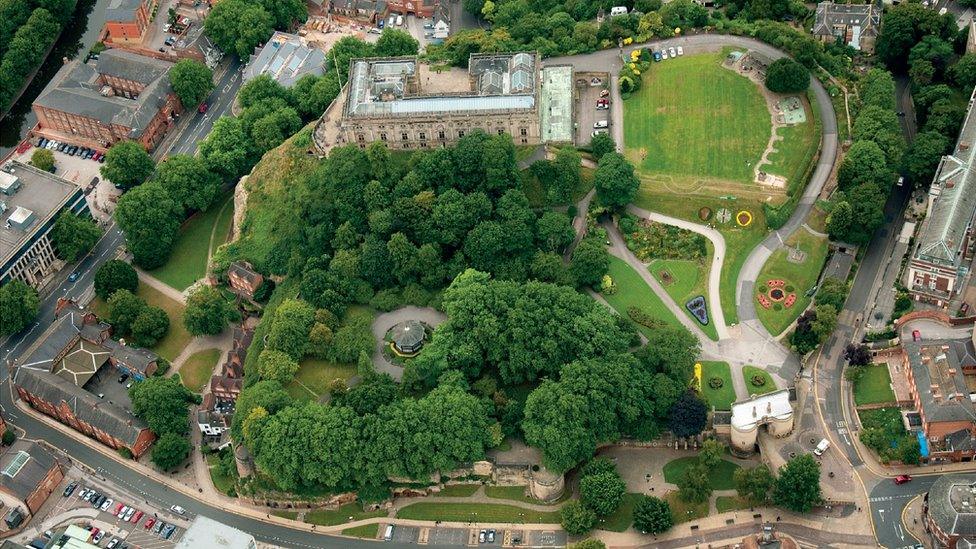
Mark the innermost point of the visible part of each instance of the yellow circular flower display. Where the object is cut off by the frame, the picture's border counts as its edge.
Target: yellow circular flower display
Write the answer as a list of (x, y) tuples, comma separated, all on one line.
[(743, 218)]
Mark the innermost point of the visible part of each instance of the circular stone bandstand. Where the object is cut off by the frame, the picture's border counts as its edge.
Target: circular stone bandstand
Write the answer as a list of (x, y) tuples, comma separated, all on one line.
[(407, 338)]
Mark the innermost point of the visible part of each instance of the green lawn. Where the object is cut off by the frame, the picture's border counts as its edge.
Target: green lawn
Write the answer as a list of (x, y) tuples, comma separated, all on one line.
[(689, 279), (720, 476), (739, 241), (519, 493), (794, 154), (694, 118), (222, 483), (682, 511), (723, 397), (198, 368), (632, 291), (314, 377), (768, 387), (176, 339), (366, 531), (874, 387), (188, 262), (621, 519), (345, 513), (290, 515), (457, 491), (799, 278), (730, 503), (478, 512)]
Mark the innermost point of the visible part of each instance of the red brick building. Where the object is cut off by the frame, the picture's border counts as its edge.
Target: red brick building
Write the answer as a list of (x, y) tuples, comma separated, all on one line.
[(121, 96), (949, 513), (420, 8), (29, 474), (126, 21), (243, 278)]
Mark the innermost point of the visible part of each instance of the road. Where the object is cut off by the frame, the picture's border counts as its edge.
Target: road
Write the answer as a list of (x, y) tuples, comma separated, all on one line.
[(888, 501)]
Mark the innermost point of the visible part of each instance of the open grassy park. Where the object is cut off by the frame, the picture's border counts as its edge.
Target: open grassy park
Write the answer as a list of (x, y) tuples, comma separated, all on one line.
[(719, 477), (684, 280), (476, 512), (799, 272), (874, 386), (722, 397), (188, 262), (176, 339), (315, 376), (632, 291), (197, 369)]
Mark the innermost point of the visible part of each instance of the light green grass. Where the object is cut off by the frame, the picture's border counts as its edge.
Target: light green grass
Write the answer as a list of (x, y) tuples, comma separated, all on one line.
[(723, 397), (690, 279), (518, 493), (874, 387), (197, 369), (290, 515), (795, 150), (477, 512), (188, 261), (739, 241), (719, 477), (801, 276), (366, 531), (621, 519), (345, 513), (695, 118), (768, 387), (314, 377), (724, 504), (222, 483), (632, 291), (457, 491), (682, 511), (176, 339)]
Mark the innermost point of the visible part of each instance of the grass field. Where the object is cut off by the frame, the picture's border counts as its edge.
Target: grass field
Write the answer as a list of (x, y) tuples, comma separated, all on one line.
[(768, 387), (874, 387), (694, 118), (800, 276), (221, 482), (345, 513), (197, 369), (730, 503), (689, 279), (366, 531), (723, 397), (682, 511), (457, 491), (176, 339), (518, 493), (188, 262), (476, 512), (719, 477), (632, 291), (290, 515), (314, 376), (621, 519)]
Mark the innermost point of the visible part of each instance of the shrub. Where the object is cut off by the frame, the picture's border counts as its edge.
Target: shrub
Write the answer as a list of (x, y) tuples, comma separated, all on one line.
[(789, 288), (705, 213), (715, 382), (777, 307), (9, 437), (758, 380), (642, 318)]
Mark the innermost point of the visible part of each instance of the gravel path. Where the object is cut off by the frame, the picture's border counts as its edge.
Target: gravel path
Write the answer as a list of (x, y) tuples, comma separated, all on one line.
[(385, 321)]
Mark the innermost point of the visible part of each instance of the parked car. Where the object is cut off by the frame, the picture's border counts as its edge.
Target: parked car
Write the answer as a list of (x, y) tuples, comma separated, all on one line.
[(482, 535), (98, 537), (159, 526), (118, 508), (137, 517), (598, 132), (97, 502), (121, 512), (70, 489), (902, 479), (149, 523), (167, 531), (123, 377), (203, 108), (916, 335), (601, 124), (657, 56), (491, 536), (89, 154), (106, 504), (681, 50), (664, 54), (101, 159), (177, 509), (128, 514), (112, 544), (673, 52), (94, 531)]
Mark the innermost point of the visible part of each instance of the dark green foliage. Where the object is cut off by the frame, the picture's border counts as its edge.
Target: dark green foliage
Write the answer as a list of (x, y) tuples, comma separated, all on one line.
[(238, 26), (115, 275), (591, 260), (124, 307), (602, 144), (832, 292), (614, 180), (162, 402), (18, 306), (787, 76), (43, 159), (127, 164), (290, 328), (904, 26), (150, 326), (25, 40), (755, 484), (688, 415), (602, 492), (74, 236), (923, 156), (192, 81), (798, 485), (694, 485), (395, 43), (652, 515), (207, 312), (577, 519), (170, 450), (149, 217), (188, 182)]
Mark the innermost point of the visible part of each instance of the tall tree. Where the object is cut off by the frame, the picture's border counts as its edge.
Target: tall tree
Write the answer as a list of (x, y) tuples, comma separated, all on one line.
[(238, 26), (127, 164), (188, 182), (652, 515), (694, 485), (115, 275), (923, 157), (192, 81), (162, 402), (124, 307), (74, 236), (290, 327), (227, 149), (18, 306), (396, 43), (43, 159), (277, 366), (754, 484), (171, 450), (787, 76), (591, 260), (798, 485), (601, 144), (150, 326), (615, 182), (602, 492), (864, 162), (688, 416), (150, 220), (207, 312), (576, 518)]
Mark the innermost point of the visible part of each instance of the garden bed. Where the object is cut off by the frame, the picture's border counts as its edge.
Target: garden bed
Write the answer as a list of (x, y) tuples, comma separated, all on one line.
[(758, 381), (720, 397)]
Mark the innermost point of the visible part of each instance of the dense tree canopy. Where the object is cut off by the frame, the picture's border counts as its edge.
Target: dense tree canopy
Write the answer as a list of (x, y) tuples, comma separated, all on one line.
[(188, 182), (207, 312), (798, 484), (192, 81), (395, 43), (923, 156), (43, 159), (755, 484), (170, 450), (74, 236), (115, 275), (652, 515), (162, 402), (149, 218), (787, 76), (150, 326), (688, 415), (18, 306), (864, 162), (124, 307), (127, 164), (614, 180), (238, 26)]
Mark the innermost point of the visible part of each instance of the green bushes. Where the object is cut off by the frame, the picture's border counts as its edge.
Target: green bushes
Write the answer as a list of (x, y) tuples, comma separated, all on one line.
[(28, 46)]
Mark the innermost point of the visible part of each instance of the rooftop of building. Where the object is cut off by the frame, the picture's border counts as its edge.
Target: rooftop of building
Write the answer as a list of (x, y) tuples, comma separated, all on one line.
[(392, 86), (828, 15), (245, 271), (76, 89), (23, 189), (73, 537), (749, 413), (286, 58), (23, 467), (943, 232), (952, 504), (939, 380), (205, 532), (557, 103), (122, 10)]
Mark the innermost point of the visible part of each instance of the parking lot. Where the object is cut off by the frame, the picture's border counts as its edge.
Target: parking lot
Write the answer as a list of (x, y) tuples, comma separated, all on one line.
[(420, 28), (105, 383), (472, 537), (589, 89)]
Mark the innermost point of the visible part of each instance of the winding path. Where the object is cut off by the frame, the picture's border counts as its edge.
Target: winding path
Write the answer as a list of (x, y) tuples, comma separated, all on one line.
[(385, 321)]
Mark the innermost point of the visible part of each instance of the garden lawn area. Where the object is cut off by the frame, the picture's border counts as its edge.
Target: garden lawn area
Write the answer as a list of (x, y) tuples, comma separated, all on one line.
[(874, 387), (682, 511), (632, 291), (689, 279), (796, 149), (176, 339), (767, 387), (222, 483), (739, 241), (730, 503), (197, 369), (692, 117), (518, 493), (477, 512), (366, 531), (882, 418), (330, 517), (723, 397), (719, 477), (188, 262), (621, 519), (290, 515), (799, 278), (314, 377), (457, 491)]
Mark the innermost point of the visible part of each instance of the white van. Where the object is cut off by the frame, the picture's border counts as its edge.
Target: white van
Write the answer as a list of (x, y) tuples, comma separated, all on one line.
[(618, 10), (388, 534), (392, 21), (601, 124), (399, 20), (822, 447)]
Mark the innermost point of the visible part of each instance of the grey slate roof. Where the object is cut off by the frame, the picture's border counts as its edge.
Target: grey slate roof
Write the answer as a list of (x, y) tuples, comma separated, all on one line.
[(75, 89), (931, 364), (286, 58), (830, 16), (943, 232), (946, 497), (961, 440), (85, 406), (135, 358), (31, 474), (122, 10)]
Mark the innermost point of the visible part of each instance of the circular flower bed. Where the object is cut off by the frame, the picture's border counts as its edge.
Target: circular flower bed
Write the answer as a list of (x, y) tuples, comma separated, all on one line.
[(777, 294), (715, 382), (790, 288), (758, 380), (743, 218), (705, 213)]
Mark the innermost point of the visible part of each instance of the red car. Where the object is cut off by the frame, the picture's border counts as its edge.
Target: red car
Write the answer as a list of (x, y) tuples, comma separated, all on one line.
[(902, 479), (149, 523), (202, 108), (916, 335), (94, 531), (118, 507), (137, 517)]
